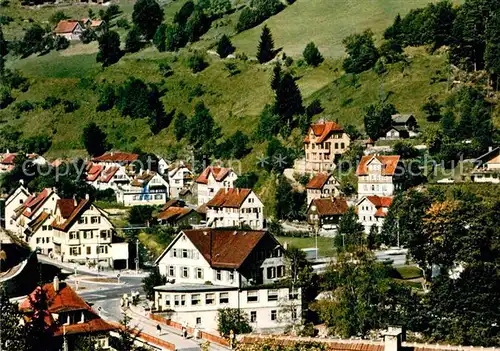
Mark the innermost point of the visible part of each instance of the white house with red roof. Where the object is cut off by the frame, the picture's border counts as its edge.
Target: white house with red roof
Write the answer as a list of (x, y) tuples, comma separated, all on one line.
[(237, 264), (39, 233), (322, 185), (487, 168), (180, 177), (116, 159), (148, 188), (211, 180), (69, 29), (69, 315), (13, 202), (83, 233), (372, 211), (7, 161), (104, 177), (235, 207), (378, 175), (324, 142)]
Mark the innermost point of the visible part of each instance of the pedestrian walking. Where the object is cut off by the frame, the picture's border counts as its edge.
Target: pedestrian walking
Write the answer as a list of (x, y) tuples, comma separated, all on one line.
[(158, 329)]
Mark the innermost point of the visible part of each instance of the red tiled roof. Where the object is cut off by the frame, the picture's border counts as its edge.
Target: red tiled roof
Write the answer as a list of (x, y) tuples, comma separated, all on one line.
[(37, 222), (8, 159), (107, 174), (116, 157), (330, 207), (94, 172), (318, 181), (225, 248), (380, 212), (70, 217), (91, 326), (96, 23), (232, 197), (66, 26), (172, 203), (380, 201), (33, 203), (143, 179), (174, 213), (323, 130), (390, 164), (219, 174)]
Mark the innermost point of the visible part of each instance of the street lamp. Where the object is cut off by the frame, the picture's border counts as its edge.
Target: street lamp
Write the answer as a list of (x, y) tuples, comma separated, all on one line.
[(137, 256), (316, 227)]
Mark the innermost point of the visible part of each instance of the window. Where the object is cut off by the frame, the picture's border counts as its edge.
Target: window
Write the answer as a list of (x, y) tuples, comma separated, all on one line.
[(224, 298), (171, 271), (272, 295), (294, 314), (184, 253), (174, 253), (102, 249), (199, 273), (82, 220), (198, 320), (281, 271), (185, 272), (177, 300), (46, 227), (89, 250), (38, 240), (218, 274), (104, 234), (271, 272), (293, 295), (252, 296), (230, 276), (253, 316), (195, 299), (73, 235), (342, 145), (87, 234), (75, 251), (95, 219), (209, 299), (274, 315), (166, 298), (183, 300)]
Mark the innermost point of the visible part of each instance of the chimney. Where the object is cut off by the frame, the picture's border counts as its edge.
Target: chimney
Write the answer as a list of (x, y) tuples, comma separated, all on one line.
[(56, 283), (74, 200), (87, 196), (490, 148), (21, 181), (392, 339)]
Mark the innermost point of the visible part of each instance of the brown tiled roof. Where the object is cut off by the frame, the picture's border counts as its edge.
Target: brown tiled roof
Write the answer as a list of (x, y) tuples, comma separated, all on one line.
[(232, 197), (380, 201), (331, 207), (219, 174), (37, 222), (94, 172), (70, 217), (33, 203), (66, 299), (116, 157), (174, 213), (66, 26), (173, 203), (142, 179), (225, 248), (318, 181), (323, 130), (107, 174), (390, 164)]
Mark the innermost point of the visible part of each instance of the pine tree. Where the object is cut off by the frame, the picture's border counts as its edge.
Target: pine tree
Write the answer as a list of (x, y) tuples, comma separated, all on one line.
[(109, 48), (160, 38), (288, 99), (94, 140), (147, 16), (265, 50), (224, 46), (180, 126), (133, 40), (312, 55), (276, 80)]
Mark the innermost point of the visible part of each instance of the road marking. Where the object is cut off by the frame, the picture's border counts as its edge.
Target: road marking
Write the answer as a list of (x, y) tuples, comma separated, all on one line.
[(92, 296)]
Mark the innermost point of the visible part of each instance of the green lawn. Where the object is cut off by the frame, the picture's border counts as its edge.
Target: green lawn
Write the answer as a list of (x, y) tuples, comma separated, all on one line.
[(325, 245), (326, 22), (409, 272)]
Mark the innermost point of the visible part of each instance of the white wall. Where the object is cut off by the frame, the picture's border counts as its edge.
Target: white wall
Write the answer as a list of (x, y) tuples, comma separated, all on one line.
[(366, 215), (13, 202)]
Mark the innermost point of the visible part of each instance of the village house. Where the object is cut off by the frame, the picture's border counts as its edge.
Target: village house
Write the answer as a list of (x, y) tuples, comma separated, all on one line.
[(324, 142), (69, 29), (244, 269), (148, 188), (7, 161), (378, 175), (211, 180), (82, 233), (95, 25), (69, 316), (487, 168), (325, 213), (14, 201), (235, 207), (402, 127), (104, 177), (322, 185), (39, 233), (372, 211), (175, 214), (180, 178), (31, 209), (117, 159)]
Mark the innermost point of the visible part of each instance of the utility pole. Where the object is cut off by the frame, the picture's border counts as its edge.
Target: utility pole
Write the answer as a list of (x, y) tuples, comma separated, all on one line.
[(137, 256)]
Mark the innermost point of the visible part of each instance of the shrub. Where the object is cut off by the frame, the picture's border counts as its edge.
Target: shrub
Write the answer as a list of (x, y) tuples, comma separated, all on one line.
[(312, 55), (123, 23), (49, 102), (196, 62), (24, 106), (70, 106), (224, 46), (5, 20), (165, 70), (61, 43), (87, 36), (57, 17), (5, 97)]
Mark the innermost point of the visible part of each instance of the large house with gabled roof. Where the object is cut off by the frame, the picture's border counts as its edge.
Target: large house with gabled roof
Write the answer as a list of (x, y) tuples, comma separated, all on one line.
[(14, 201), (210, 269), (372, 211), (322, 185), (211, 180), (379, 175), (235, 207)]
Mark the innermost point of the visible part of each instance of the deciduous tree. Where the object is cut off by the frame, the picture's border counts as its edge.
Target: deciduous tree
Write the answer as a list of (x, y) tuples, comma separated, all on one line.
[(147, 16)]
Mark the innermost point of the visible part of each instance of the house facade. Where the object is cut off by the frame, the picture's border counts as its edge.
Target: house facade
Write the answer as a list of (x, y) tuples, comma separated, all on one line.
[(69, 316), (15, 200), (69, 29), (402, 127), (326, 212), (39, 233), (322, 185), (211, 180), (324, 142), (84, 234), (148, 188), (235, 207), (176, 214), (378, 175), (236, 264), (372, 211), (487, 168), (180, 178)]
